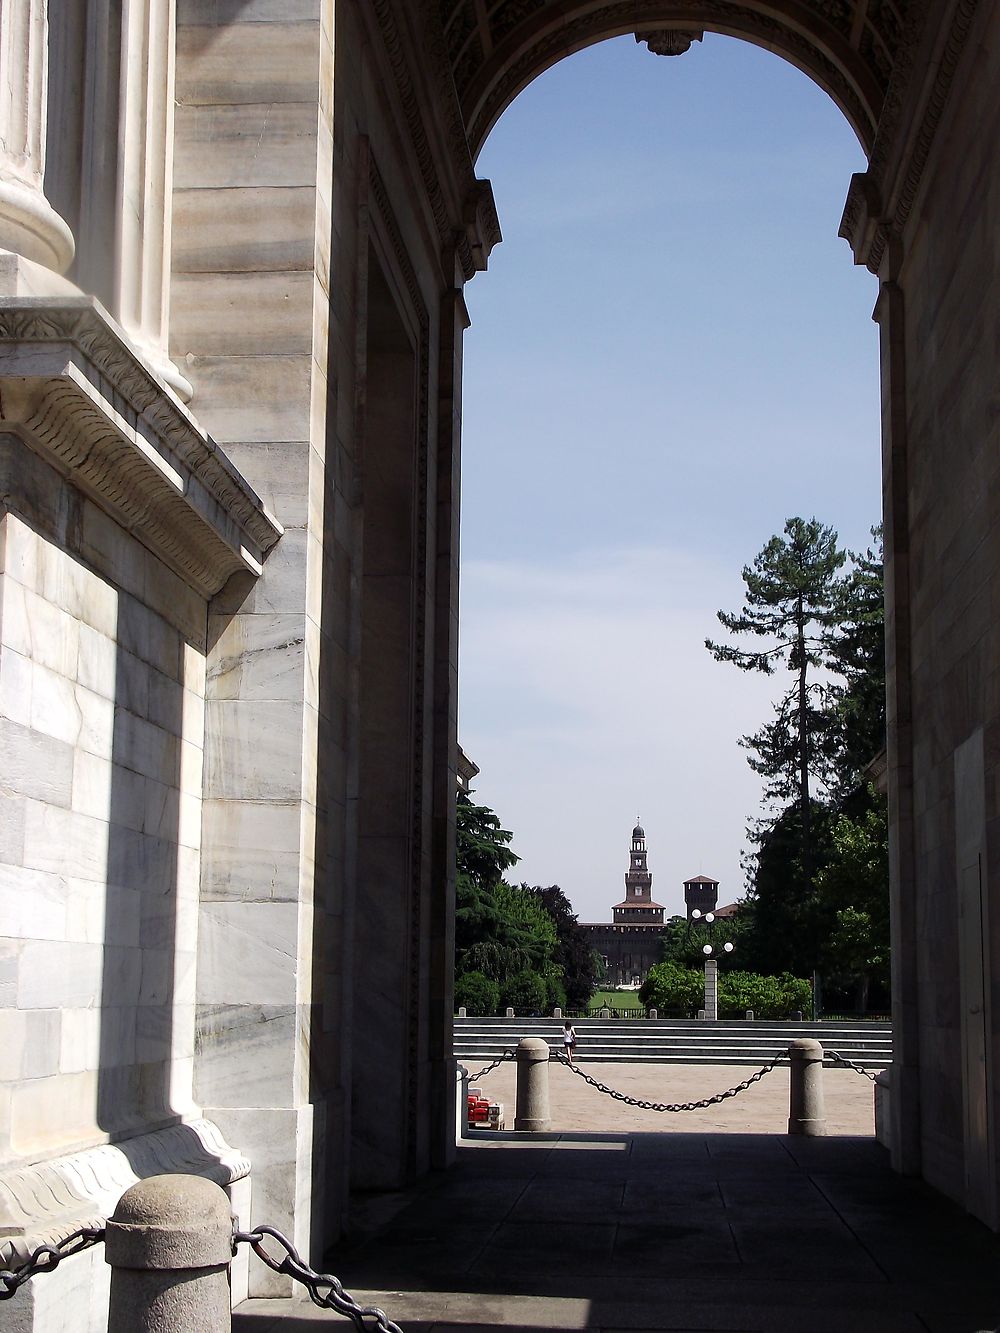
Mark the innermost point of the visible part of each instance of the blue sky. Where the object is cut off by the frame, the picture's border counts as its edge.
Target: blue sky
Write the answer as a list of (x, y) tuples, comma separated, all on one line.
[(671, 353)]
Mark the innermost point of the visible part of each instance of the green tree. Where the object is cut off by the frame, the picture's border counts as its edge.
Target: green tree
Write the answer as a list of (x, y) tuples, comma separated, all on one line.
[(672, 988), (478, 993), (682, 942), (857, 655), (854, 888), (525, 992), (501, 932), (483, 855), (573, 954), (791, 603), (786, 919), (768, 997)]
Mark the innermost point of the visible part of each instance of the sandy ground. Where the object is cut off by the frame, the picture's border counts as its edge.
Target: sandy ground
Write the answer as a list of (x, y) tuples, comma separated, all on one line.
[(762, 1109)]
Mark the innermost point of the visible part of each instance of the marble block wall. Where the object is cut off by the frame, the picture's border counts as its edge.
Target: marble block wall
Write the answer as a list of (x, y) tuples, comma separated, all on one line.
[(949, 280), (249, 318), (102, 720)]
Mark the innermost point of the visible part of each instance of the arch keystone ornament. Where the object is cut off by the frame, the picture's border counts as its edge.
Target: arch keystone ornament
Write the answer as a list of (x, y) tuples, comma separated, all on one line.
[(669, 41)]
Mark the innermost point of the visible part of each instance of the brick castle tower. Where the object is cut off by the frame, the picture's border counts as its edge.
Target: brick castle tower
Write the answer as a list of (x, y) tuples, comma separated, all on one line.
[(637, 908)]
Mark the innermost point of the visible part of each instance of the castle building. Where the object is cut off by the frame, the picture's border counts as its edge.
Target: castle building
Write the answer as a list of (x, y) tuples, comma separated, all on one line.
[(630, 943), (701, 894)]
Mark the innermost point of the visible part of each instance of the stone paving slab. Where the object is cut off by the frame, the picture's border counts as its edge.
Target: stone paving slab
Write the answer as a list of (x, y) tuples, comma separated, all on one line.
[(710, 1221)]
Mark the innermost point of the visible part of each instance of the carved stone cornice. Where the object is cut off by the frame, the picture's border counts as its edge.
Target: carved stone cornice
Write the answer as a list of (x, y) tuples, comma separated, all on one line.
[(482, 229), (74, 390), (45, 1202), (881, 199)]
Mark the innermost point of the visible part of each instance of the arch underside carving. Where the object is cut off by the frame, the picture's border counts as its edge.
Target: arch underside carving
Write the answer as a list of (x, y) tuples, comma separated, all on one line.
[(495, 48)]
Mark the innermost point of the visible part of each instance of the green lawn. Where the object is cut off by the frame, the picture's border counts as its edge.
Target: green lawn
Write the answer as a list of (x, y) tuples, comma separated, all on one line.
[(615, 999)]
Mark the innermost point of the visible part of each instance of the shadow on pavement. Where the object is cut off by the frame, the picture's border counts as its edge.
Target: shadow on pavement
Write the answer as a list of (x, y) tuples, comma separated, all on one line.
[(653, 1231)]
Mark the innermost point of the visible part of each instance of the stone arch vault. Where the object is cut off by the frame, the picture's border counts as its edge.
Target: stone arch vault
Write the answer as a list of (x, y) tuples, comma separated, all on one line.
[(233, 244)]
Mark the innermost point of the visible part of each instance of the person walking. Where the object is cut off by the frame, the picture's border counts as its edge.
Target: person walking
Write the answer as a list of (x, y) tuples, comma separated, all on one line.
[(569, 1040)]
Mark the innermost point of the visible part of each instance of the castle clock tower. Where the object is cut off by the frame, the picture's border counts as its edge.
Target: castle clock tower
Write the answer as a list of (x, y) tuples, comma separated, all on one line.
[(638, 907)]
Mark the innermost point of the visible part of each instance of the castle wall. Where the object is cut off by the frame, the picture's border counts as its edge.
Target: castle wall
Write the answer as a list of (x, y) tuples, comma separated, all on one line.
[(630, 950)]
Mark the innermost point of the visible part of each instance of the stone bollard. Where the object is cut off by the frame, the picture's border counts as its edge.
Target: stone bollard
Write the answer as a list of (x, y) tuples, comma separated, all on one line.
[(557, 1012), (532, 1104), (170, 1243), (605, 1012), (701, 1015), (806, 1113), (509, 1013), (462, 1109), (749, 1015), (653, 1013), (463, 1011)]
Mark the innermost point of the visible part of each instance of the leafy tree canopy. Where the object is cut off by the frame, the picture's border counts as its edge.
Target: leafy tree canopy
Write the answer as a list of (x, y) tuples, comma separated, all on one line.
[(573, 954), (818, 877), (857, 655)]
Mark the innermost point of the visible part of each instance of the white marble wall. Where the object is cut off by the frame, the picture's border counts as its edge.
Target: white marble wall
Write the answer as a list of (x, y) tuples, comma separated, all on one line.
[(249, 311), (101, 726)]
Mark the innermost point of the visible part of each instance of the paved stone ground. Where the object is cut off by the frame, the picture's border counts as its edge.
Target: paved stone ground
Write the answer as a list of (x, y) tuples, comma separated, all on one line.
[(722, 1222), (762, 1109)]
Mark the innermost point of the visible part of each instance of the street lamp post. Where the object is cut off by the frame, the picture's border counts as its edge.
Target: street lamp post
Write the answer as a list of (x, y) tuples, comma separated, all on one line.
[(711, 1010)]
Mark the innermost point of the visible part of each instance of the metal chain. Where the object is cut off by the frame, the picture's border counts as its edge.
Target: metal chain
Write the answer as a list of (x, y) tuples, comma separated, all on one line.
[(507, 1055), (671, 1106), (849, 1064), (324, 1289), (47, 1258)]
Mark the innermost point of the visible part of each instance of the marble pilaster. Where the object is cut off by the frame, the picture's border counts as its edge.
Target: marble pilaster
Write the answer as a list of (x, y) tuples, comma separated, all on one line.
[(145, 173), (29, 226)]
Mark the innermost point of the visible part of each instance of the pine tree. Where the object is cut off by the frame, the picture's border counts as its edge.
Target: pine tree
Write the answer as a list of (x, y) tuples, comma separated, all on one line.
[(857, 654), (792, 601)]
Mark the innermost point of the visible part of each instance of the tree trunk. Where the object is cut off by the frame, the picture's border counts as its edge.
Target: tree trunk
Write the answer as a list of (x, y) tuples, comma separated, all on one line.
[(804, 804)]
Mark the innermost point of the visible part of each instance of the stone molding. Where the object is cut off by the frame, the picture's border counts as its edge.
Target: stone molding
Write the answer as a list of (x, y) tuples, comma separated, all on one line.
[(880, 200), (43, 1203), (72, 388), (874, 77), (472, 234), (482, 229), (382, 205), (817, 45)]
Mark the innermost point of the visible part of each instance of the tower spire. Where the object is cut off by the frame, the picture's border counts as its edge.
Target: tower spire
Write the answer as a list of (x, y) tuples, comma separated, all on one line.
[(638, 907)]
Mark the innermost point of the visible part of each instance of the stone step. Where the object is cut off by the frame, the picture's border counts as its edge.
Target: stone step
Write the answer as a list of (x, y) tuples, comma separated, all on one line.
[(678, 1041)]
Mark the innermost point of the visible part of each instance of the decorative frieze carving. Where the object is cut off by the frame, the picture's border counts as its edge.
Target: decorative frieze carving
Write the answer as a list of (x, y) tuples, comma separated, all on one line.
[(880, 200), (74, 390)]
